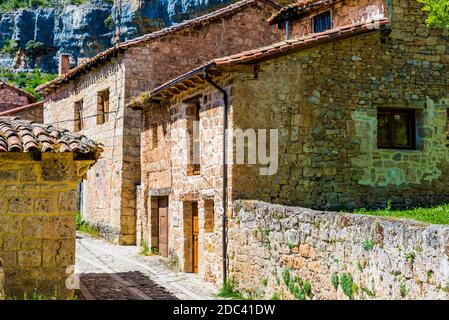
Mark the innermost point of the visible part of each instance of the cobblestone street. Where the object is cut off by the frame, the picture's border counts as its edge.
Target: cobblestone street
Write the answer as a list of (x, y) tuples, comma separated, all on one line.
[(109, 272)]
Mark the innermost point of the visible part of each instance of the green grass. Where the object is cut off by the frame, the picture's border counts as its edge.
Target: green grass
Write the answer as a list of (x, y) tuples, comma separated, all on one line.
[(435, 215), (145, 249), (27, 81), (84, 227), (228, 291)]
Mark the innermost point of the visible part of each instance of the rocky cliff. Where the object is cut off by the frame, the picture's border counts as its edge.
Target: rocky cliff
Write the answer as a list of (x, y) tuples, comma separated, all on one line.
[(34, 38)]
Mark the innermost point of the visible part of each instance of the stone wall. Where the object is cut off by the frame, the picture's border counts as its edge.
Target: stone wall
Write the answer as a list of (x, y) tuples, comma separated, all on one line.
[(10, 98), (37, 222), (324, 103), (102, 194), (385, 258), (110, 188), (343, 13)]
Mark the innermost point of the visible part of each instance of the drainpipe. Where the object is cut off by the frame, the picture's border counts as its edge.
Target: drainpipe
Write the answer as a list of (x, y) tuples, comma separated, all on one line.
[(390, 10), (225, 173), (287, 31)]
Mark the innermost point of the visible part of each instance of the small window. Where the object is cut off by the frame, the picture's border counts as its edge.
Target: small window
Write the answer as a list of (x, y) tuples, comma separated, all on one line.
[(193, 129), (209, 216), (396, 129), (322, 22), (78, 123), (103, 106)]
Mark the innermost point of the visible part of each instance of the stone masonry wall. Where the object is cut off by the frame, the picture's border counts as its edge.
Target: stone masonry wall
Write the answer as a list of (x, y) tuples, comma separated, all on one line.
[(171, 56), (342, 13), (37, 222), (103, 188), (10, 98), (379, 258), (110, 188), (324, 103)]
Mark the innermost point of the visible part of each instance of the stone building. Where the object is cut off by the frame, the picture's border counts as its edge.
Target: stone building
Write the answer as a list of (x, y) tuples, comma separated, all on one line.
[(41, 167), (12, 97), (359, 115), (305, 17), (91, 98), (33, 112)]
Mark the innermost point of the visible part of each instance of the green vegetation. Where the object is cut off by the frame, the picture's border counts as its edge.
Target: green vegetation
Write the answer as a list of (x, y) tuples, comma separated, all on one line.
[(8, 5), (109, 22), (334, 280), (265, 282), (369, 293), (435, 215), (228, 291), (276, 296), (9, 47), (34, 48), (347, 285), (410, 256), (297, 286), (27, 81), (368, 245), (403, 290), (438, 13), (146, 251), (82, 226)]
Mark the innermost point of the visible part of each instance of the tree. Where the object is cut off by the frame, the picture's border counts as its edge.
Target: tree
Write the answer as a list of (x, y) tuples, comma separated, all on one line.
[(438, 13)]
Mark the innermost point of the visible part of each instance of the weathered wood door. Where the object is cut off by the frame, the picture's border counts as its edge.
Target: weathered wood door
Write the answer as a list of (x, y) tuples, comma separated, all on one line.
[(195, 232), (163, 226)]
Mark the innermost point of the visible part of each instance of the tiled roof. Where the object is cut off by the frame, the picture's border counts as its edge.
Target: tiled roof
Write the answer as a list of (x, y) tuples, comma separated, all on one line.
[(26, 136), (20, 91), (104, 55), (21, 108), (196, 76), (297, 8)]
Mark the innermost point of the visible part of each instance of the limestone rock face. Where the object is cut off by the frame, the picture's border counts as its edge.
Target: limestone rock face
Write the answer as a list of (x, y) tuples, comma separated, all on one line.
[(84, 30)]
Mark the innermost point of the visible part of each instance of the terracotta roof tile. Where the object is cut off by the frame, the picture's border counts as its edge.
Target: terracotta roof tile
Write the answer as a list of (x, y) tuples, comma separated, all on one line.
[(18, 135), (264, 53), (231, 9)]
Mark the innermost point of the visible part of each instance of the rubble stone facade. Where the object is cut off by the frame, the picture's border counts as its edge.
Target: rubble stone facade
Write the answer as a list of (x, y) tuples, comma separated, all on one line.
[(110, 191), (344, 12), (324, 101)]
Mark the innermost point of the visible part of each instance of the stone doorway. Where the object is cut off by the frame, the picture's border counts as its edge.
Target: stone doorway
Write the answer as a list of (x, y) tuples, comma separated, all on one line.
[(163, 226), (191, 231)]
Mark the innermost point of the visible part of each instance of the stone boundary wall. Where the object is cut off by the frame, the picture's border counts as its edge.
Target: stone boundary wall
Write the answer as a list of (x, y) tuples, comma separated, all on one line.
[(372, 257)]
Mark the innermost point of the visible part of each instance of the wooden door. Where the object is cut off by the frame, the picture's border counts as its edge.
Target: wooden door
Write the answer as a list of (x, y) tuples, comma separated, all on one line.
[(195, 225), (163, 226)]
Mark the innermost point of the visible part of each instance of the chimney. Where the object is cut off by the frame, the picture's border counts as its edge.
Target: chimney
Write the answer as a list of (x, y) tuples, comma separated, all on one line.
[(64, 64)]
